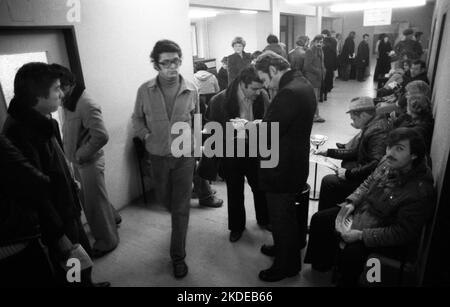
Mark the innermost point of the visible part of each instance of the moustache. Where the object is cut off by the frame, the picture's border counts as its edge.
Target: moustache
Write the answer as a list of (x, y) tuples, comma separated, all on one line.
[(391, 159)]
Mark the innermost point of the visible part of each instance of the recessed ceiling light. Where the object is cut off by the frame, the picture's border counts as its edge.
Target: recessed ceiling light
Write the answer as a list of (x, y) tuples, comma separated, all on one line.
[(248, 12)]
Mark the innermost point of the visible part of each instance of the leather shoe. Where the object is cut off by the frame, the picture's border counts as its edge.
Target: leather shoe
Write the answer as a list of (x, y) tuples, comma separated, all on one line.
[(212, 202), (273, 276), (180, 269), (235, 236), (268, 250)]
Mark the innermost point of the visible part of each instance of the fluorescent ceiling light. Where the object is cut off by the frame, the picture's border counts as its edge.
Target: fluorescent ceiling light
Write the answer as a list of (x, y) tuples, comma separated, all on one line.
[(310, 1), (248, 12), (199, 13), (361, 6)]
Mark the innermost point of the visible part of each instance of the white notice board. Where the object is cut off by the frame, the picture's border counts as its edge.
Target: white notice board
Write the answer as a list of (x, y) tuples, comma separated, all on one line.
[(377, 17)]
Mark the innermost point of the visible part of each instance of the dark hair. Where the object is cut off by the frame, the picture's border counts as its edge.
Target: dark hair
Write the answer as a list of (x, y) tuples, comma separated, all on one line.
[(422, 64), (66, 77), (164, 46), (224, 60), (200, 66), (366, 35), (406, 62), (270, 58), (416, 142), (302, 40), (272, 39), (326, 32), (33, 80), (248, 75), (338, 35), (352, 33), (317, 38), (418, 34)]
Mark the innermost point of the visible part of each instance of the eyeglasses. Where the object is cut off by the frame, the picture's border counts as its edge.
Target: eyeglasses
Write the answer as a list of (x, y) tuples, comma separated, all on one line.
[(168, 63)]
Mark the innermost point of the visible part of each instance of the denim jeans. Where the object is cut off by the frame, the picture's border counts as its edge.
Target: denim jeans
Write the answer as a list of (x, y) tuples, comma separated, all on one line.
[(173, 185)]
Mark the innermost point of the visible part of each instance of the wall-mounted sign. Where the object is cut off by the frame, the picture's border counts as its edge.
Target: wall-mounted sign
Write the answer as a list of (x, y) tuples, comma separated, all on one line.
[(377, 17)]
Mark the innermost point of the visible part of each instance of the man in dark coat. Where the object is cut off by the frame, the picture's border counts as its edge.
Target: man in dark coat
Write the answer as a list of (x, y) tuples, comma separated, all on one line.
[(347, 55), (274, 45), (292, 109), (297, 56), (23, 189), (330, 62), (365, 156), (362, 58), (244, 99), (31, 129), (384, 215)]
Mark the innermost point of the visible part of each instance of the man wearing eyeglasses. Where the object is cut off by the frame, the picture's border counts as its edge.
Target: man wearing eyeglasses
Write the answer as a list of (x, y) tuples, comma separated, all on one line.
[(162, 102)]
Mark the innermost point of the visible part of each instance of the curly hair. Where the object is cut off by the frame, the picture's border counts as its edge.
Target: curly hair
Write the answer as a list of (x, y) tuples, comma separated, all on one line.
[(238, 40), (419, 105), (162, 46)]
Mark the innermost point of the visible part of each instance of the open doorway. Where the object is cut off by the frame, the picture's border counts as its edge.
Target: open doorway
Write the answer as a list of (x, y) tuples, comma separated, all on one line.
[(23, 44)]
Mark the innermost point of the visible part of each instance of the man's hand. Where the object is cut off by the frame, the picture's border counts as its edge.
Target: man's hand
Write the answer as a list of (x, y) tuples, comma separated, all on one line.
[(352, 236), (344, 213), (321, 152), (239, 123), (340, 172)]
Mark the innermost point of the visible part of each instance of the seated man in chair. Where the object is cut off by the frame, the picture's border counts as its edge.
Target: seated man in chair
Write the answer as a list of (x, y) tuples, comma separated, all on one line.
[(385, 214), (361, 159)]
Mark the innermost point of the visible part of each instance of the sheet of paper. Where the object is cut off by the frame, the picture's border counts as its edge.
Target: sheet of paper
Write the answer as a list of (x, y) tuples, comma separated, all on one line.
[(323, 161)]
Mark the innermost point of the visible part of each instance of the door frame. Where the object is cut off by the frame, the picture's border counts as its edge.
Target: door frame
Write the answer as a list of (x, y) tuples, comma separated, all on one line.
[(70, 40)]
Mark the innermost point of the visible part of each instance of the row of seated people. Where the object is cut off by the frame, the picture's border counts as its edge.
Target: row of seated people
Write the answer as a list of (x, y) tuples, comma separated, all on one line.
[(382, 196)]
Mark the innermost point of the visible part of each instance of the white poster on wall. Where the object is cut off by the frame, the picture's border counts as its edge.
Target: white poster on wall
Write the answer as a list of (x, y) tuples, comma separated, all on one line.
[(377, 17)]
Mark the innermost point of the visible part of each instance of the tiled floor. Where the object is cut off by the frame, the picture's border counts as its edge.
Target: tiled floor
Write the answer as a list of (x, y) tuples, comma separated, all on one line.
[(142, 258)]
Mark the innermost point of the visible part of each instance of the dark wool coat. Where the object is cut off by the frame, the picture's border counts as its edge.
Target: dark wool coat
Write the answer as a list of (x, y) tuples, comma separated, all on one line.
[(293, 108)]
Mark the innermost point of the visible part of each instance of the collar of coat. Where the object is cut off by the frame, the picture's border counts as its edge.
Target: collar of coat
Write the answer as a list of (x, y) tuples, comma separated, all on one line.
[(36, 123), (184, 85), (289, 77), (397, 178)]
